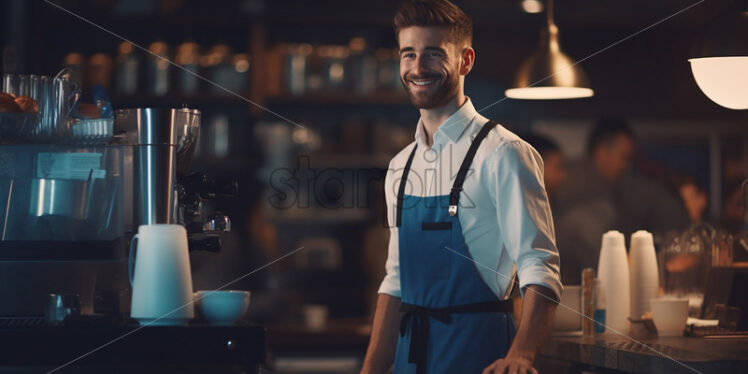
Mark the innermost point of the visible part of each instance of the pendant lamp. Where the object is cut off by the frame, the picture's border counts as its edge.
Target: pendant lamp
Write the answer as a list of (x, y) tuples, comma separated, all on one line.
[(548, 73), (720, 66)]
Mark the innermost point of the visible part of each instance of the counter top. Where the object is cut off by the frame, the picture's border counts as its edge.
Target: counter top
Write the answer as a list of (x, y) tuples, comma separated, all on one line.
[(660, 355), (352, 333), (131, 346)]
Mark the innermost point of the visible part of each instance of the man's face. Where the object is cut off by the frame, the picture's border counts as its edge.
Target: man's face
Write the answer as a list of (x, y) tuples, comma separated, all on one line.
[(554, 171), (429, 66), (615, 158)]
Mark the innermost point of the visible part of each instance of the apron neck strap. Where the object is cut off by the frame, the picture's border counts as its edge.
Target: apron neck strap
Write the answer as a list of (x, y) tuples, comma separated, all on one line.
[(454, 195), (401, 189)]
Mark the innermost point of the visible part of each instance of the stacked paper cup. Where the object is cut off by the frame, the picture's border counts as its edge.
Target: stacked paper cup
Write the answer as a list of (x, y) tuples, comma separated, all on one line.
[(643, 272), (613, 273)]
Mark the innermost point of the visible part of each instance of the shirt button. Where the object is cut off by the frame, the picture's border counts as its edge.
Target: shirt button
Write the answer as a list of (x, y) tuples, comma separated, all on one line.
[(430, 155)]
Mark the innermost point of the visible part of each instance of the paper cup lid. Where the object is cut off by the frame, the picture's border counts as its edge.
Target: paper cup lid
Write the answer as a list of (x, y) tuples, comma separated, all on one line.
[(613, 239), (642, 238)]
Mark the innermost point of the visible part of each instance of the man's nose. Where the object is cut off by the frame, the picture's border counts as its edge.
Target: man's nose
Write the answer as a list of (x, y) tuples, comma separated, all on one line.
[(420, 65)]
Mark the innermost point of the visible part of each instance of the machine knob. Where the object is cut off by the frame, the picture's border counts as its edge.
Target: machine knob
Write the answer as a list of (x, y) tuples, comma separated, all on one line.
[(216, 224)]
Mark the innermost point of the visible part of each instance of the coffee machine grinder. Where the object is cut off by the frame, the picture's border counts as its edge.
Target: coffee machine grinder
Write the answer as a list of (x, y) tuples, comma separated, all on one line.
[(163, 143)]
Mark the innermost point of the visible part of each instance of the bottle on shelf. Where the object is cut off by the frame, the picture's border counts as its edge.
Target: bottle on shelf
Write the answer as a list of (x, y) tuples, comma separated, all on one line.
[(127, 70), (158, 68), (188, 57)]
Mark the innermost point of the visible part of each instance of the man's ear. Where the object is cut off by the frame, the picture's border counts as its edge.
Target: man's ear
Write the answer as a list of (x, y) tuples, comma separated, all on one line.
[(468, 60)]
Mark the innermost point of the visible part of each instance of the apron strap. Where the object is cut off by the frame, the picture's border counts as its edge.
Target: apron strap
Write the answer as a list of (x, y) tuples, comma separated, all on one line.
[(419, 317), (454, 195), (401, 188)]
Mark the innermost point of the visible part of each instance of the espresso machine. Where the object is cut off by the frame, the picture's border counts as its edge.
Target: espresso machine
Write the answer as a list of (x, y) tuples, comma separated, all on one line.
[(163, 142), (68, 209)]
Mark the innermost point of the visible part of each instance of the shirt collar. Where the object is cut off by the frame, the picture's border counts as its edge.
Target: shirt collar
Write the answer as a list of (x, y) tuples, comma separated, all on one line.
[(453, 127)]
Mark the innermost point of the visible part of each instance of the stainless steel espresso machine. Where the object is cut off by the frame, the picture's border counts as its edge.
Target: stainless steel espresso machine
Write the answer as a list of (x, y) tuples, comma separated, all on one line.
[(68, 210)]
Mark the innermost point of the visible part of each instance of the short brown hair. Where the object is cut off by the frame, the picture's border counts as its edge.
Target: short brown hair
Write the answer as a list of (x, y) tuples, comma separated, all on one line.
[(439, 13)]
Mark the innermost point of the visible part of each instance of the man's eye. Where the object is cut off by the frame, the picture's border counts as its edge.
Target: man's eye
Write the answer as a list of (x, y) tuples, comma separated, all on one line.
[(409, 55)]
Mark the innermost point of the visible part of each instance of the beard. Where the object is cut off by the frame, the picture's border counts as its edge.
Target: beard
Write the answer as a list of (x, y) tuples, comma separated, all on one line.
[(446, 89)]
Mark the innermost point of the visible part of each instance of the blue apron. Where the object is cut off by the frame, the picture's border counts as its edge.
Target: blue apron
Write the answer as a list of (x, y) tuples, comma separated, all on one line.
[(452, 321)]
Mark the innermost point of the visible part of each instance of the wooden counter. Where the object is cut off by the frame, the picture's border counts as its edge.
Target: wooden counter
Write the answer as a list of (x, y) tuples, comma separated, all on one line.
[(665, 354)]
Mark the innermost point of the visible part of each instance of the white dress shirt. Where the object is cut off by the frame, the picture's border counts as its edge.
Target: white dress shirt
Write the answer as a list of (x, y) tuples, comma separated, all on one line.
[(504, 211)]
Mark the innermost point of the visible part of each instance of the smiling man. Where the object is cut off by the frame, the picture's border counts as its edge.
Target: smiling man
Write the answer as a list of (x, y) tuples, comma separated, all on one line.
[(469, 216)]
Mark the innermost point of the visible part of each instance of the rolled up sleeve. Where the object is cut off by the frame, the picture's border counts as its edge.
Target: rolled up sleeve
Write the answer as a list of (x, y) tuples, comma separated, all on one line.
[(391, 282), (524, 215)]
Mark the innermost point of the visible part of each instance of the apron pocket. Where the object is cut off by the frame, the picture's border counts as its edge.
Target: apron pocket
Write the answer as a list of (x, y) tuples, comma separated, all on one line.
[(436, 239), (434, 226)]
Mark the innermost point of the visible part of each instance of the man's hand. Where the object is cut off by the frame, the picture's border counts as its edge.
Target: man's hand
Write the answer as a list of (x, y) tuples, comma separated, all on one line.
[(534, 327), (511, 365), (384, 330)]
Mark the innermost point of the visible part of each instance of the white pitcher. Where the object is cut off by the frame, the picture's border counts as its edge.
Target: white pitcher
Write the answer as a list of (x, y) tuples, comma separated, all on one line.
[(162, 281)]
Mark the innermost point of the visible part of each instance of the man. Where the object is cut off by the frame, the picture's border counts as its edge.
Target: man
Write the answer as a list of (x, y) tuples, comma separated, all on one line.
[(554, 169), (602, 194), (465, 204)]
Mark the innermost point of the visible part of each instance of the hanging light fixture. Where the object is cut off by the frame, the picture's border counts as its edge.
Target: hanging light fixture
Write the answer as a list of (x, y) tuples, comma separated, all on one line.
[(549, 73), (720, 67)]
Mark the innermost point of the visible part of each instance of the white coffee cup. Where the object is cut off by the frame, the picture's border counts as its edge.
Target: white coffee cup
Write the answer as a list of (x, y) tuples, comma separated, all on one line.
[(161, 281), (222, 307), (669, 315)]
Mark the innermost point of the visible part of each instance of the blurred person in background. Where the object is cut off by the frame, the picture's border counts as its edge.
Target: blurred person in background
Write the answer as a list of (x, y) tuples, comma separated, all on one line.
[(735, 216), (602, 193), (554, 164), (734, 207), (693, 195)]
